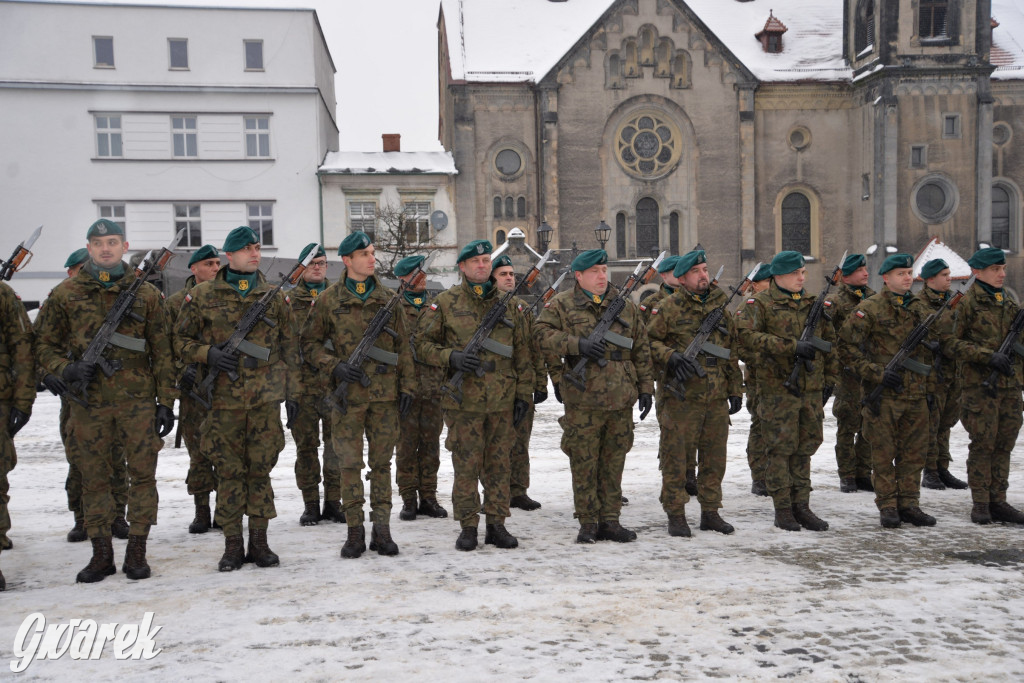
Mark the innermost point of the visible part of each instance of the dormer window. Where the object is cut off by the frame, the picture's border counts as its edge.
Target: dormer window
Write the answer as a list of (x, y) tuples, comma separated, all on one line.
[(771, 35)]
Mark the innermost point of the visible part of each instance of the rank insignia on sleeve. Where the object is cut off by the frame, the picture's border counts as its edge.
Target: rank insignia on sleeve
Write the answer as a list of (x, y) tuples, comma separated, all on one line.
[(859, 314), (433, 307)]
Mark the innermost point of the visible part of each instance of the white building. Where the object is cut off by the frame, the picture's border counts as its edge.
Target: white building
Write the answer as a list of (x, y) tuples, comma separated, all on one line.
[(160, 118)]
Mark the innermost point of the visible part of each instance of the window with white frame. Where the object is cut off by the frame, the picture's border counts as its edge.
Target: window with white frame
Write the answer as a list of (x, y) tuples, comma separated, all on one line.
[(261, 219), (115, 213), (186, 216), (177, 50), (417, 222), (363, 216), (253, 55), (108, 136), (103, 52), (183, 129), (257, 136)]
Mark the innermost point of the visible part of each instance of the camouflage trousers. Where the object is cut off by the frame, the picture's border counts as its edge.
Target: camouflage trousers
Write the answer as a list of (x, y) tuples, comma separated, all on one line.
[(899, 442), (853, 452), (793, 432), (757, 454), (479, 444), (992, 425), (201, 478), (73, 482), (128, 427), (243, 445), (596, 442), (314, 415), (943, 419), (378, 420), (418, 456), (702, 424), (8, 460), (519, 457)]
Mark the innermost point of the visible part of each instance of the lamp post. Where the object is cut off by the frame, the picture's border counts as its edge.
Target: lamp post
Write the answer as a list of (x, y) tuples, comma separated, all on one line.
[(544, 233), (603, 231)]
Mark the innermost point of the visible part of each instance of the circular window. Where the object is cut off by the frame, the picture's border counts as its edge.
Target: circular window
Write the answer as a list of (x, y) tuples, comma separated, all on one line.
[(648, 145), (508, 162), (1001, 134), (799, 138), (935, 198)]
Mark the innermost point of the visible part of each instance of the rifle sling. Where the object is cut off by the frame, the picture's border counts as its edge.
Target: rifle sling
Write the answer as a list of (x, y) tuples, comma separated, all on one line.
[(250, 349), (497, 348), (126, 342)]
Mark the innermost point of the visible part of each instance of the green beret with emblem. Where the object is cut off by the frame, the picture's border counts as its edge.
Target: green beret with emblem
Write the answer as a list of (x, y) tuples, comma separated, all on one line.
[(589, 259), (852, 263), (308, 248), (500, 262), (989, 256), (689, 260), (357, 240), (240, 238), (786, 262), (893, 261), (202, 253), (475, 248), (763, 273), (408, 265), (668, 265), (104, 227), (933, 268), (77, 256)]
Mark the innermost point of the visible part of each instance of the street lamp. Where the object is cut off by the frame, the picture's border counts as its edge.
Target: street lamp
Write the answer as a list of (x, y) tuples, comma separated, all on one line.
[(603, 231), (544, 236)]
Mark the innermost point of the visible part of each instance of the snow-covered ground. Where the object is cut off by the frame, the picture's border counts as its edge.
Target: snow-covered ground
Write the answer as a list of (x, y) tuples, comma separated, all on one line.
[(854, 603)]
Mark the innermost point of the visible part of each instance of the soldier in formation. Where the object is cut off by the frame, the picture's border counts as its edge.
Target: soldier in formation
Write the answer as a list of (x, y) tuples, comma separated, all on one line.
[(757, 454)]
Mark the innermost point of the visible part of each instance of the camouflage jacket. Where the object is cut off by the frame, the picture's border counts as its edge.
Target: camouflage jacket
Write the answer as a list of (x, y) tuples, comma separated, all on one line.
[(945, 369), (872, 335), (311, 381), (428, 377), (17, 365), (74, 313), (174, 301), (770, 323), (746, 355), (673, 323), (539, 359), (340, 317), (449, 323), (979, 326), (651, 301), (572, 315), (208, 317), (845, 300)]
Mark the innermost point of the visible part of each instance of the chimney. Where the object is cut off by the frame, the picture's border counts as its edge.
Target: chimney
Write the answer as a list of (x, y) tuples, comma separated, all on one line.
[(392, 142)]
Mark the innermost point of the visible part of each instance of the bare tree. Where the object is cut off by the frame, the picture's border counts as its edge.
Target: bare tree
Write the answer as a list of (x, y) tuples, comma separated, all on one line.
[(401, 232)]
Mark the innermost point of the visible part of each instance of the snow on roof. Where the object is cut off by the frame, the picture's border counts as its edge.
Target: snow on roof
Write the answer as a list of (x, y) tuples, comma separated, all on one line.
[(958, 267), (364, 163), (1007, 46)]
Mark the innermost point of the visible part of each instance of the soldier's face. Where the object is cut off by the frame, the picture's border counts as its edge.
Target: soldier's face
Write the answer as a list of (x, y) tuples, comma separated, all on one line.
[(899, 280), (317, 270), (993, 276), (246, 259), (360, 264), (941, 281), (696, 279), (414, 286), (792, 282), (106, 251), (206, 269), (857, 278), (669, 279), (476, 269), (504, 278), (594, 279)]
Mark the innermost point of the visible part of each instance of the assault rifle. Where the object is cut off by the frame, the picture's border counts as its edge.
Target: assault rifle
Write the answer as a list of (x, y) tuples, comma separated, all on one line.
[(602, 331), (108, 335), (236, 342), (1008, 346), (809, 333), (902, 357), (481, 338), (21, 256), (366, 349), (712, 321), (548, 293)]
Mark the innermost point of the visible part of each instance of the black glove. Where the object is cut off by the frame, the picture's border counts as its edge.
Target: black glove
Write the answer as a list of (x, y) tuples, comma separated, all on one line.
[(464, 362), (222, 360), (826, 393), (404, 404), (343, 372), (645, 403), (80, 372), (682, 367), (16, 420), (932, 403), (558, 394), (55, 384), (593, 350), (892, 380), (519, 410), (539, 397), (804, 349), (735, 404), (291, 411), (164, 420), (1001, 362)]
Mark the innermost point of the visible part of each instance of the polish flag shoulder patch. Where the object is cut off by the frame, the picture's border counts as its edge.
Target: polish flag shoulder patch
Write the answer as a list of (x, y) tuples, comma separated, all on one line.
[(750, 301), (828, 303), (547, 304), (520, 307), (642, 307), (859, 314), (433, 307), (287, 299), (654, 311), (188, 298)]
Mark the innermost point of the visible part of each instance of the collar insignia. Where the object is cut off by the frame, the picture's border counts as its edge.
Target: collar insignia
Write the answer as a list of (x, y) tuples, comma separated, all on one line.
[(243, 285), (477, 289), (999, 297), (360, 288), (104, 275), (313, 293), (899, 299), (796, 296), (596, 298), (418, 300)]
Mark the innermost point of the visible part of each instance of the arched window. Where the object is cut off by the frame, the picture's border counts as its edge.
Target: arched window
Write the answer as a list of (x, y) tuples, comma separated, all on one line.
[(497, 207), (613, 75), (521, 207), (620, 235), (509, 208), (1004, 217), (499, 237), (673, 232), (796, 223), (681, 70), (647, 46), (647, 220)]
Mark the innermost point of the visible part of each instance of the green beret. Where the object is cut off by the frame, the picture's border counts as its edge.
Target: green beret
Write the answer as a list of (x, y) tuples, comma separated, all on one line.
[(669, 264), (240, 238), (501, 261), (77, 256), (475, 248), (202, 253), (308, 248), (104, 227), (589, 259), (357, 240), (786, 262), (689, 260), (763, 273), (852, 263), (408, 265), (933, 268), (989, 256), (896, 261)]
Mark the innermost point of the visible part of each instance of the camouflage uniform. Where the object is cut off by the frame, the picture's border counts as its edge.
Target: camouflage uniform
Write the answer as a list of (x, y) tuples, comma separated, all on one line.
[(519, 458), (341, 317), (242, 431), (871, 336), (598, 424), (17, 385), (700, 422), (853, 453), (121, 409), (757, 453), (480, 431), (947, 384)]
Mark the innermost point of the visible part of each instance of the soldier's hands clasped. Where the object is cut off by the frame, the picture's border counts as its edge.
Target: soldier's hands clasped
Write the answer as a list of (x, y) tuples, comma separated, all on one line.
[(519, 410), (735, 404), (16, 420), (646, 403), (291, 411), (682, 367), (216, 357), (805, 349), (80, 372), (593, 350), (55, 384), (404, 404), (464, 362), (343, 372), (164, 420), (1001, 362)]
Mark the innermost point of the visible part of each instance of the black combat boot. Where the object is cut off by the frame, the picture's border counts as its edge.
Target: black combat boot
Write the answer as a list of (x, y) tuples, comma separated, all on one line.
[(848, 485), (785, 520), (498, 536), (332, 511), (677, 526), (587, 534), (259, 552), (931, 480), (916, 517), (466, 539), (77, 533), (430, 508), (710, 520), (981, 513), (864, 484), (409, 510), (691, 482), (135, 565), (380, 540), (1004, 512), (203, 520), (310, 513), (889, 518), (355, 544), (625, 501), (523, 502), (234, 554), (950, 481), (102, 563), (807, 519), (759, 488), (119, 527), (613, 531)]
